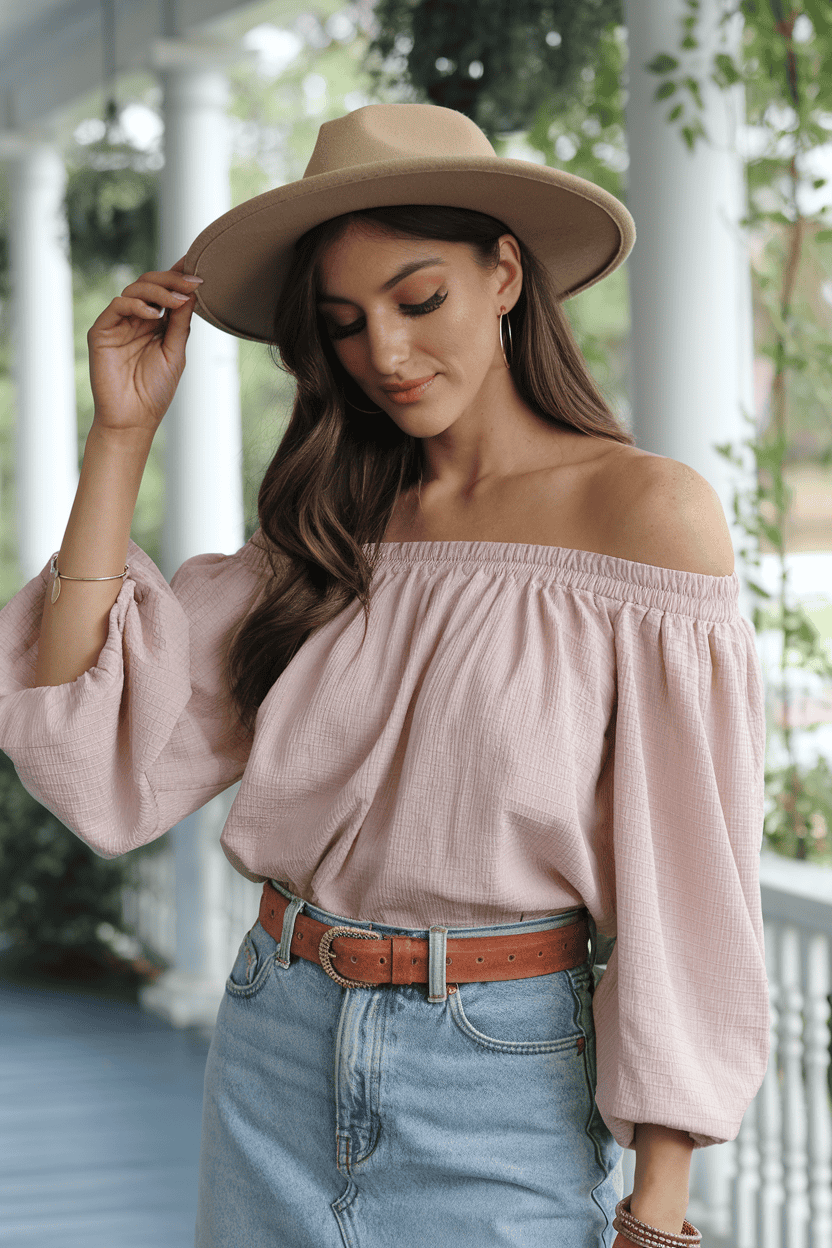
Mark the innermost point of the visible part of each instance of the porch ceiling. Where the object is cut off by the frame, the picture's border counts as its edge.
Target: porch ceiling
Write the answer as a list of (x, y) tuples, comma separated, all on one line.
[(51, 51)]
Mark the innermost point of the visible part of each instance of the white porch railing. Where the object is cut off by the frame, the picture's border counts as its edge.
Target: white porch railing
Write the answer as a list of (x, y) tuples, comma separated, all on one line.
[(772, 1186), (150, 905)]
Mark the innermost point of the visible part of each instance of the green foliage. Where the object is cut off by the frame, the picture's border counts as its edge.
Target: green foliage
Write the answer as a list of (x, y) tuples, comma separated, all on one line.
[(799, 799), (801, 810), (788, 93), (4, 264), (111, 209), (587, 131), (498, 64), (56, 893)]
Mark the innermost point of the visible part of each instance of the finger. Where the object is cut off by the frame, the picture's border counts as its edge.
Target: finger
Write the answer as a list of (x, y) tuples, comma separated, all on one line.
[(177, 329), (154, 291), (179, 267), (121, 309)]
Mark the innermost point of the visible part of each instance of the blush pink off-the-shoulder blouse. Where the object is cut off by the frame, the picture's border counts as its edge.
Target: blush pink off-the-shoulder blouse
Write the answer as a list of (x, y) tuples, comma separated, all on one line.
[(522, 729)]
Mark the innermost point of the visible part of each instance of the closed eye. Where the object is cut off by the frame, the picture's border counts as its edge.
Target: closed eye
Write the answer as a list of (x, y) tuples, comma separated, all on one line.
[(435, 301)]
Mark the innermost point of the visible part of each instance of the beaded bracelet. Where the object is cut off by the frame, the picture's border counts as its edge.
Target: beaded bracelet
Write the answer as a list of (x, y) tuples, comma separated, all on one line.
[(649, 1236), (57, 576)]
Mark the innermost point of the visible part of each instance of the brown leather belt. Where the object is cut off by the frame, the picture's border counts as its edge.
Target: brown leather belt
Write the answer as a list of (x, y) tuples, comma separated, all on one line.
[(366, 959)]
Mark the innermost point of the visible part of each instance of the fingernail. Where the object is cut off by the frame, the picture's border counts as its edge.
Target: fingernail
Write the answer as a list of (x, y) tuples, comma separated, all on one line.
[(179, 297), (195, 280)]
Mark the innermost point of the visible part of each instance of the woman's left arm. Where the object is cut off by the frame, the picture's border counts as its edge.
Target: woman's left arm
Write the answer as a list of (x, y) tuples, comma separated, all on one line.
[(661, 1184)]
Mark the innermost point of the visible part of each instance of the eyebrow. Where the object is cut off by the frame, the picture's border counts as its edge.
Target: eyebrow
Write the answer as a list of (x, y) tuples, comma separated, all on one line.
[(403, 272)]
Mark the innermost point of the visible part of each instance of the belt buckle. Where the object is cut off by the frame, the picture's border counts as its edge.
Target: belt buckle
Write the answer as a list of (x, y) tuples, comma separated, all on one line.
[(326, 956)]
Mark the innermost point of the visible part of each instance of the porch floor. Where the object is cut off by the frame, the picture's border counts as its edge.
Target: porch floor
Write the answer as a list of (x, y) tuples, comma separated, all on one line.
[(100, 1108)]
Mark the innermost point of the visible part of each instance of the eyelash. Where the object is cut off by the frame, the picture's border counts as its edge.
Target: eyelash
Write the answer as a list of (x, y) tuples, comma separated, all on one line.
[(409, 309)]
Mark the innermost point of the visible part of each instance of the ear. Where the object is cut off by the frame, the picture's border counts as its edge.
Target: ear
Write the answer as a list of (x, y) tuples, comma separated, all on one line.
[(509, 272)]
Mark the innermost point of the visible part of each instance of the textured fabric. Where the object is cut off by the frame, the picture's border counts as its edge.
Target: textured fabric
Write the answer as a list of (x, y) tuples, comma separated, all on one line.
[(361, 1119), (522, 729)]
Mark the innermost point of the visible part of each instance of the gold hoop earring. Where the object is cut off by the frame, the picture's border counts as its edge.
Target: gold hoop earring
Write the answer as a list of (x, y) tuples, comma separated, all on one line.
[(507, 356), (363, 410)]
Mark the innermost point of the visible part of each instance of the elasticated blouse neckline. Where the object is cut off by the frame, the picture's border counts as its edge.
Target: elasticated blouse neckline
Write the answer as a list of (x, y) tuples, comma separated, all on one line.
[(697, 594)]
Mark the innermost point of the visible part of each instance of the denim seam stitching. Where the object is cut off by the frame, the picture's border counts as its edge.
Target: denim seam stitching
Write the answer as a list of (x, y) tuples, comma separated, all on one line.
[(518, 1047), (592, 1103), (251, 990)]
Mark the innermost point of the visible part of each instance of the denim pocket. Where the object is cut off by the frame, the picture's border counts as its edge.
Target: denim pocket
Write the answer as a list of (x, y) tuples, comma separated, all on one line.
[(544, 1014), (253, 964)]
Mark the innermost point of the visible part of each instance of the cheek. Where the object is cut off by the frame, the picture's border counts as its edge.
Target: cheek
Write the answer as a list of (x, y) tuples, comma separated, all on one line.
[(469, 334), (348, 355)]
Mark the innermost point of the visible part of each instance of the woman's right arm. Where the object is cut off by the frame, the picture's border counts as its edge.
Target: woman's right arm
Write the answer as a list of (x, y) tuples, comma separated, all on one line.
[(135, 366)]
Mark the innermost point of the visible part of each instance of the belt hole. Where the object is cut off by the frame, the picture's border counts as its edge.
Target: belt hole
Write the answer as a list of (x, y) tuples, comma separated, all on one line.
[(540, 953), (511, 957), (300, 935), (271, 912), (382, 961), (480, 959), (413, 961), (448, 961), (353, 958)]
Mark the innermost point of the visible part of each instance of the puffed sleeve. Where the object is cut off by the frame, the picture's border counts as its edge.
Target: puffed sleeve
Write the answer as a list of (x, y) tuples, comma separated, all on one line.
[(681, 1012), (146, 736)]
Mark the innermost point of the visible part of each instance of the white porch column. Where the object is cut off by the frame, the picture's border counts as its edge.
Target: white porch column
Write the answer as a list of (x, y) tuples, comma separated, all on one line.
[(44, 358), (203, 500), (692, 333), (203, 448)]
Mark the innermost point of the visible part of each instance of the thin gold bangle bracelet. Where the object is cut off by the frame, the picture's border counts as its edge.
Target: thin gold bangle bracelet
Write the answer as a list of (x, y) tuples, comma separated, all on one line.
[(57, 576)]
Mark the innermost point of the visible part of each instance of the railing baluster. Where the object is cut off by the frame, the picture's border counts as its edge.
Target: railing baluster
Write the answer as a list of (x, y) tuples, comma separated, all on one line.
[(747, 1182), (796, 1210), (769, 1116), (817, 1088)]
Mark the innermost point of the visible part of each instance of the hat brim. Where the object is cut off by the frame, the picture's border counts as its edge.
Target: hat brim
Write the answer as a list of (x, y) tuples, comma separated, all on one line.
[(576, 229)]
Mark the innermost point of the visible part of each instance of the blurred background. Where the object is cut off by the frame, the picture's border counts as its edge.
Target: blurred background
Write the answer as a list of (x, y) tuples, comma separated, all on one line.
[(125, 128)]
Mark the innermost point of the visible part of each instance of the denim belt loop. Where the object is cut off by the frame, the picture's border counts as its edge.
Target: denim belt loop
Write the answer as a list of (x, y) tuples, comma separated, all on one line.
[(292, 910), (437, 953)]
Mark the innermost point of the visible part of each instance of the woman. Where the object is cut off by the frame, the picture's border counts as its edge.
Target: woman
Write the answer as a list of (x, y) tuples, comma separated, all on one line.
[(483, 677)]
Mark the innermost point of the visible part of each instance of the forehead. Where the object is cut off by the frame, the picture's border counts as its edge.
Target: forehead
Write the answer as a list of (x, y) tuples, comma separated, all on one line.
[(366, 251)]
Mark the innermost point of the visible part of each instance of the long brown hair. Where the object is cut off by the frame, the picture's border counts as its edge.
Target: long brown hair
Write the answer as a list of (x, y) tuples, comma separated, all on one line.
[(334, 481)]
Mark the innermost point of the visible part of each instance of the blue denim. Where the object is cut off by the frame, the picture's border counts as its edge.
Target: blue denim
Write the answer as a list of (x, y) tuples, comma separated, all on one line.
[(383, 1118)]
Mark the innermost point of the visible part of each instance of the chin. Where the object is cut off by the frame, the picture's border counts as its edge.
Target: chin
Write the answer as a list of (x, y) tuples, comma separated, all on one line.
[(423, 424)]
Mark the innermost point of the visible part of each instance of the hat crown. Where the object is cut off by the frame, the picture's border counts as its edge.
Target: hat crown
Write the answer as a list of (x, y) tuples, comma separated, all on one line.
[(389, 132)]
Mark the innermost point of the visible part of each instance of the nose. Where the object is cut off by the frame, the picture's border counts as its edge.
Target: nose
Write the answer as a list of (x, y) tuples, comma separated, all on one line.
[(388, 344)]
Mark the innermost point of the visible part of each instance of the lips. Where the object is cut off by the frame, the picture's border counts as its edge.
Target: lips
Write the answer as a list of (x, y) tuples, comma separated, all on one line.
[(408, 391)]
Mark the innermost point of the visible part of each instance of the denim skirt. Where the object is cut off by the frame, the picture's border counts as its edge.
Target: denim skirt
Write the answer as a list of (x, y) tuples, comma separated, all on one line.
[(374, 1118)]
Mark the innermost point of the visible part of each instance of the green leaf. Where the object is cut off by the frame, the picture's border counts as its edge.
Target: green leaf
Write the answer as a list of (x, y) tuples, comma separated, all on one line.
[(675, 112), (695, 90), (726, 69), (691, 133), (662, 64), (664, 91)]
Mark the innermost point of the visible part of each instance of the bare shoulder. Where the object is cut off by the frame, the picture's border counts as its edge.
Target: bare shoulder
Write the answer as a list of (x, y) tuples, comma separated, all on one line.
[(663, 512)]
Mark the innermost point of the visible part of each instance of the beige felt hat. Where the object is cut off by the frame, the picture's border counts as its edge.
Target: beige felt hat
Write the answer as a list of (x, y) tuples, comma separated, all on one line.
[(387, 154)]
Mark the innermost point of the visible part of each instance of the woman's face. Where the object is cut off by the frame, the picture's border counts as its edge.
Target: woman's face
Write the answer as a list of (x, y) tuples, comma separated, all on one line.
[(415, 323)]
